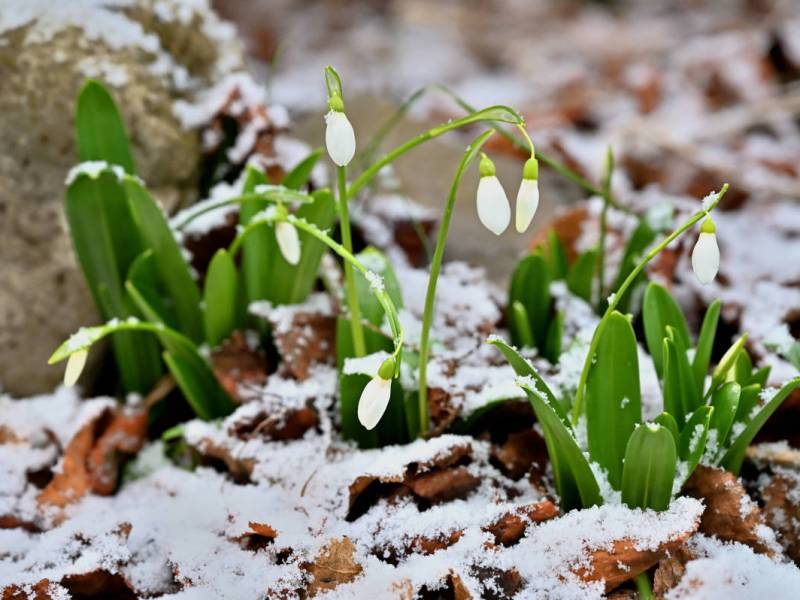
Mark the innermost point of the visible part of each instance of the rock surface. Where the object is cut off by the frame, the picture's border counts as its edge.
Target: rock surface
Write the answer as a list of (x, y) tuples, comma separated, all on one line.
[(149, 54)]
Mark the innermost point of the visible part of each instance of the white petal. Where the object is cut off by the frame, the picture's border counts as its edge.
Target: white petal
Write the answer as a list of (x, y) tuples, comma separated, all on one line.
[(75, 364), (288, 242), (705, 258), (527, 203), (373, 402), (340, 139), (493, 208)]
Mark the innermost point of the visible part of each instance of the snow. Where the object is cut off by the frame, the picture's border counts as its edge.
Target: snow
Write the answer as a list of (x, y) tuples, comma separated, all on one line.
[(93, 169)]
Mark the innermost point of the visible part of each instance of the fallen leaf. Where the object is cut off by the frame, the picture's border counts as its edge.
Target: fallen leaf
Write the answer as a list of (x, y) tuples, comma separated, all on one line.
[(334, 565)]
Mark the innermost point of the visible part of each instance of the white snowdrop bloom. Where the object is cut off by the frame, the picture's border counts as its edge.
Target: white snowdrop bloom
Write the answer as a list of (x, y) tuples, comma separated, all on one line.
[(527, 203), (288, 242), (374, 400), (705, 256), (75, 364), (528, 194), (493, 208), (340, 139)]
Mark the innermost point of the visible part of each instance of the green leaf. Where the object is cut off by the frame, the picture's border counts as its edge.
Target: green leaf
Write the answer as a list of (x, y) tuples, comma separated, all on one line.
[(523, 368), (636, 246), (705, 344), (727, 362), (761, 376), (259, 245), (732, 460), (520, 325), (660, 311), (173, 270), (725, 402), (742, 369), (371, 308), (667, 420), (99, 130), (613, 396), (557, 256), (298, 177), (575, 482), (552, 347), (220, 298), (678, 382), (142, 286), (747, 402), (793, 356), (579, 279), (694, 435), (530, 285), (690, 395), (106, 243), (650, 463)]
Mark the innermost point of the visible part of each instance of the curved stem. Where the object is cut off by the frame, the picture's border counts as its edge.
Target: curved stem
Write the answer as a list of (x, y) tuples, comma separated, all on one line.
[(701, 214), (601, 252), (275, 197), (436, 266), (492, 114), (357, 331)]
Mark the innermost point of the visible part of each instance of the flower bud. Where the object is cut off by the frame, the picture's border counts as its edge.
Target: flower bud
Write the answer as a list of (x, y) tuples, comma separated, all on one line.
[(288, 242), (493, 207), (374, 400), (75, 364), (340, 139), (528, 195), (705, 256)]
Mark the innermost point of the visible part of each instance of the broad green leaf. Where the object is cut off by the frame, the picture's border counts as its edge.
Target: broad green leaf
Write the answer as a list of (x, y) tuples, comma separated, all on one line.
[(557, 256), (106, 243), (727, 362), (371, 308), (742, 370), (520, 325), (523, 368), (530, 285), (675, 383), (761, 376), (725, 402), (581, 275), (100, 132), (705, 344), (142, 286), (613, 396), (667, 420), (575, 482), (258, 247), (694, 435), (298, 177), (220, 298), (793, 356), (552, 346), (690, 395), (747, 402), (174, 274), (650, 464), (660, 311), (732, 460)]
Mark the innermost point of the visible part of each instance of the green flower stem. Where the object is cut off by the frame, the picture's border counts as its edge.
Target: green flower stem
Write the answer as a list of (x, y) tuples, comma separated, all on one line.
[(702, 213), (490, 115), (643, 586), (436, 266), (276, 197), (380, 294), (359, 345), (601, 250)]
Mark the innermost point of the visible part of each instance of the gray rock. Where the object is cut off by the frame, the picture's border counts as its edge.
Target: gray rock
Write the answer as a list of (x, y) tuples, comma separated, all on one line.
[(149, 53)]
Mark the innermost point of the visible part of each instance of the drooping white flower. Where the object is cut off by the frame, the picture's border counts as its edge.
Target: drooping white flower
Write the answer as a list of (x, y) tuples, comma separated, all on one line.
[(75, 364), (705, 256), (374, 400), (288, 242), (340, 139), (527, 203), (494, 210)]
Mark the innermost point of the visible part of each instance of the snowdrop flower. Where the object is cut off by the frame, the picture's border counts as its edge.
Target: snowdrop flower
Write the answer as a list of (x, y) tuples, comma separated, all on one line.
[(528, 195), (493, 208), (340, 139), (705, 256), (75, 364), (288, 242), (375, 396)]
